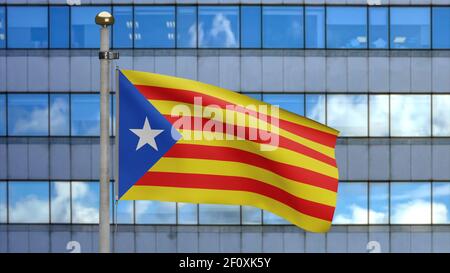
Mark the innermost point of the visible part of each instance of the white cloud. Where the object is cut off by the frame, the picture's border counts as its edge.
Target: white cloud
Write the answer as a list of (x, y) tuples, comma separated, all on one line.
[(441, 122), (347, 114), (414, 212), (221, 27), (358, 215), (32, 209), (410, 115)]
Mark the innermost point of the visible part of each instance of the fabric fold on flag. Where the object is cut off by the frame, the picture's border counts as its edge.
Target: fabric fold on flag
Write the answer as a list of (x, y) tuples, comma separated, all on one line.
[(210, 145)]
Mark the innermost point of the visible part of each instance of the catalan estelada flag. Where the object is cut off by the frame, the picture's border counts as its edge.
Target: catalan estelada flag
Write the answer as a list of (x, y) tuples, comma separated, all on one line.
[(186, 141)]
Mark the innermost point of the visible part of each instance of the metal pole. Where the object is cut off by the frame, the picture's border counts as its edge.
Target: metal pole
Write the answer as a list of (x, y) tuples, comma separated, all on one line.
[(104, 19)]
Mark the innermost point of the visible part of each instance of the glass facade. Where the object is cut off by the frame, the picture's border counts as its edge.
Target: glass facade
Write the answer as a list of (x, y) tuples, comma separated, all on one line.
[(392, 109), (230, 26)]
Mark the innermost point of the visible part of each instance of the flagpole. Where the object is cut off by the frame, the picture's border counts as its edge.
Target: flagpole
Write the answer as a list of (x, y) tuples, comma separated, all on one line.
[(104, 19)]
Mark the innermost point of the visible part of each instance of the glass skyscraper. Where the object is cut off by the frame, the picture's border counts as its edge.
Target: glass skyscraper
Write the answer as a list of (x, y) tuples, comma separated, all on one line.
[(378, 73)]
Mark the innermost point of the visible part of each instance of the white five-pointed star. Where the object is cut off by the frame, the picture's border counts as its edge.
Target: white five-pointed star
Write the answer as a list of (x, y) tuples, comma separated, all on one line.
[(146, 135)]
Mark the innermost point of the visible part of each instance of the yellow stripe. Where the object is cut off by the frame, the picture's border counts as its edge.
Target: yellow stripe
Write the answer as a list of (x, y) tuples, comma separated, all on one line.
[(190, 195), (164, 81), (166, 107), (281, 155), (228, 168)]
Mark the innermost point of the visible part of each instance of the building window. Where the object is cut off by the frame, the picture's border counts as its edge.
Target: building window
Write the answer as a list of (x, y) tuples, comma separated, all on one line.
[(28, 202), (290, 102), (28, 115), (346, 27), (59, 26), (410, 115), (378, 27), (60, 202), (352, 203), (410, 203), (379, 115), (378, 203), (186, 26), (441, 203), (59, 115), (410, 27), (27, 27), (84, 31), (282, 27), (155, 212), (315, 27), (85, 202), (315, 107), (441, 27), (251, 215), (187, 214), (251, 26), (348, 114), (2, 28), (123, 27), (218, 27), (441, 114), (125, 212), (3, 209), (219, 214), (154, 26), (2, 115), (85, 114)]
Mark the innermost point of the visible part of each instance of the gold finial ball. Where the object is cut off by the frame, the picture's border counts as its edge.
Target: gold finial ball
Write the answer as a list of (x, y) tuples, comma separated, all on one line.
[(104, 18)]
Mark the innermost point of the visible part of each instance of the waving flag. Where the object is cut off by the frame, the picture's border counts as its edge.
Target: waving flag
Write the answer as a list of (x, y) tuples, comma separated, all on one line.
[(186, 141)]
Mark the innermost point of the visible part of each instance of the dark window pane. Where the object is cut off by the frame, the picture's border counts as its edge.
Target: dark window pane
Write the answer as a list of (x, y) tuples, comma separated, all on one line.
[(219, 214), (155, 212), (441, 203), (60, 202), (351, 205), (218, 27), (29, 202), (291, 102), (408, 33), (315, 107), (379, 203), (85, 116), (346, 27), (154, 27), (251, 26), (27, 27), (84, 32), (59, 27), (410, 203), (315, 27), (282, 27), (28, 115), (378, 27), (186, 27), (123, 27), (85, 202), (441, 27), (187, 213), (59, 115), (3, 210), (2, 27), (2, 115)]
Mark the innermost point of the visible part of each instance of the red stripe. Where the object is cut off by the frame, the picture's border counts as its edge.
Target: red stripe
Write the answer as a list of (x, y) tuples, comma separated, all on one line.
[(283, 141), (186, 96), (298, 174), (218, 182)]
